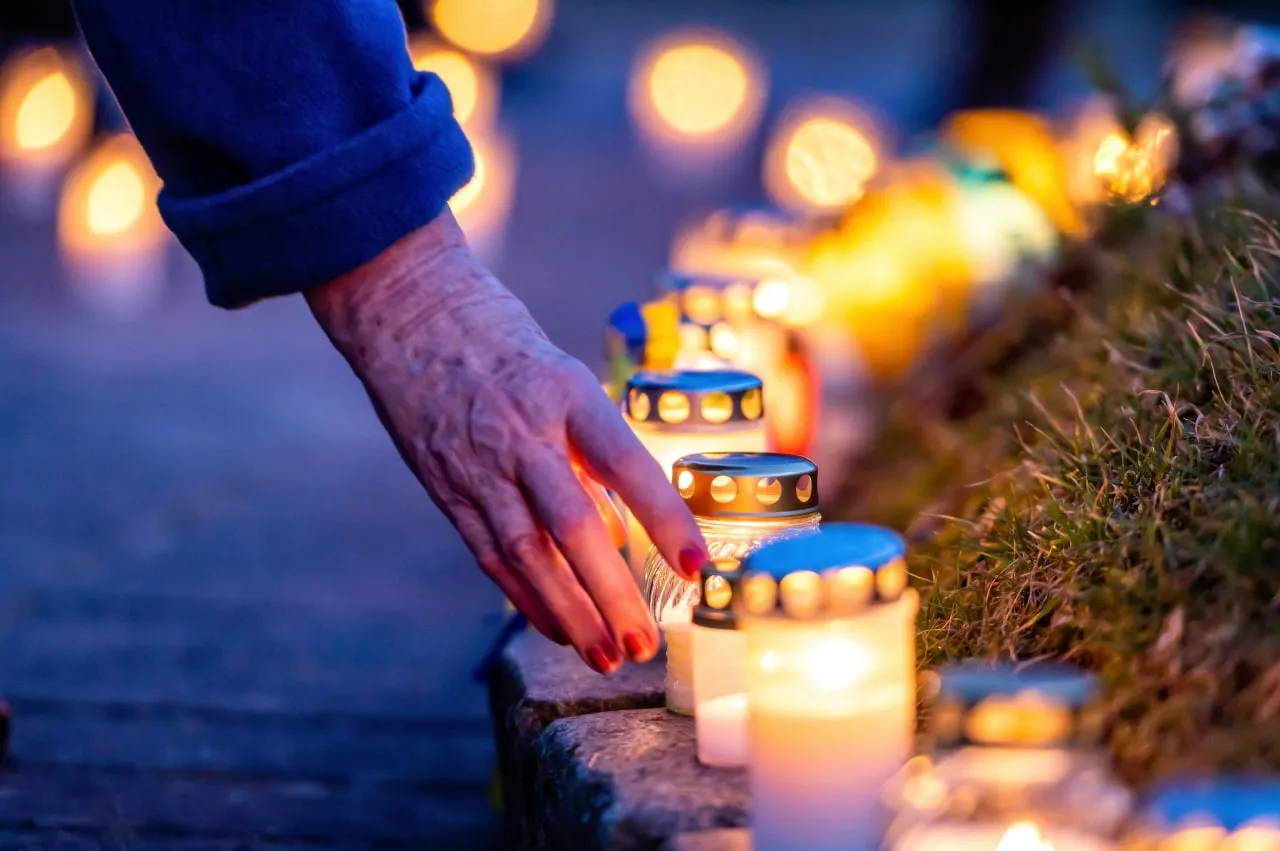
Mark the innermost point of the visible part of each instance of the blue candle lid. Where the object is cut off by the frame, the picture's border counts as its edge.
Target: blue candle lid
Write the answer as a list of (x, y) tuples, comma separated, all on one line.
[(694, 398), (840, 570), (974, 681), (1229, 802)]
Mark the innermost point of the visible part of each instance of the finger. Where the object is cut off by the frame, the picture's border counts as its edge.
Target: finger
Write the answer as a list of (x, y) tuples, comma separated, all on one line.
[(475, 533), (530, 552), (616, 457), (574, 523)]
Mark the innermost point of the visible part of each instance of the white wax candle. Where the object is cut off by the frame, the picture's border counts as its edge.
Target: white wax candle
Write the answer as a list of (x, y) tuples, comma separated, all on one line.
[(679, 683), (722, 731), (1022, 836), (831, 717), (669, 445)]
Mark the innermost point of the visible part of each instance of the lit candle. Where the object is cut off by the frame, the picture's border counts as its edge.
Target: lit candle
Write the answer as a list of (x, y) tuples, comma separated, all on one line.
[(740, 501), (829, 622), (1018, 836), (686, 412), (1010, 743), (821, 155), (510, 30), (46, 115), (719, 675), (696, 97), (112, 240), (1230, 813)]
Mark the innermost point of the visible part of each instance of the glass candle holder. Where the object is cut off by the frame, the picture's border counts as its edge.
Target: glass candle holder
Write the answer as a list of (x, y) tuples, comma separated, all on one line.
[(684, 412), (1218, 814), (739, 500), (1013, 758), (830, 674)]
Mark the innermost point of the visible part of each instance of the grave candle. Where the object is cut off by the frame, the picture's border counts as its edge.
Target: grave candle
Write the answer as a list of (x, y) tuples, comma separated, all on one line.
[(830, 675), (1228, 813), (740, 500), (683, 412)]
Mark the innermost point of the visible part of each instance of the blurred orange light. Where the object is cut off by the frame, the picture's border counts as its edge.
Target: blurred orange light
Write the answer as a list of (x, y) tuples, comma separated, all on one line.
[(1133, 170), (472, 85), (821, 156), (697, 88), (110, 233), (483, 206), (45, 111), (500, 29)]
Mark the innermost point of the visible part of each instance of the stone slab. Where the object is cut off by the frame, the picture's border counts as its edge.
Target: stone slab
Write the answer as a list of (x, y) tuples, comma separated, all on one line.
[(730, 839), (536, 683), (629, 780)]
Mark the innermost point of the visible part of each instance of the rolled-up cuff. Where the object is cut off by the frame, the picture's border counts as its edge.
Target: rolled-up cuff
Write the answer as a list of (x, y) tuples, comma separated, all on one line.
[(330, 213)]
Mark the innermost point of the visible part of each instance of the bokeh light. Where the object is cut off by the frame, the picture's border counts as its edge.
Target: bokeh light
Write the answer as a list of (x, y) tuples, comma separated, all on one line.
[(508, 30), (696, 90), (821, 155), (46, 109), (750, 244), (483, 206), (110, 234), (1109, 165), (472, 84)]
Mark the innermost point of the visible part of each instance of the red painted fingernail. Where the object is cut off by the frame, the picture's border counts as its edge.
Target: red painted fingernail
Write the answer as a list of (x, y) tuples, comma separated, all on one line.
[(605, 658), (638, 647), (691, 561)]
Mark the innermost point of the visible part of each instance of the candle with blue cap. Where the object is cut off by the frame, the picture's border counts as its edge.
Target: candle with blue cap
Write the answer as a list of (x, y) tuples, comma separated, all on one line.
[(830, 673), (1232, 813), (1014, 760)]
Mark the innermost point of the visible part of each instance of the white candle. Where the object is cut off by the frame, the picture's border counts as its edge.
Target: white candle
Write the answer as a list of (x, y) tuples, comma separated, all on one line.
[(689, 412), (722, 731), (679, 682), (830, 686), (997, 836)]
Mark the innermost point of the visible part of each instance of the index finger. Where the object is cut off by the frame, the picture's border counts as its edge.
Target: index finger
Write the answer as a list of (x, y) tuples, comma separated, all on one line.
[(615, 456)]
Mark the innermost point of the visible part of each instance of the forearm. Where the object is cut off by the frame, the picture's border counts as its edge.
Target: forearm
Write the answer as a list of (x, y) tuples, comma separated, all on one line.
[(296, 142)]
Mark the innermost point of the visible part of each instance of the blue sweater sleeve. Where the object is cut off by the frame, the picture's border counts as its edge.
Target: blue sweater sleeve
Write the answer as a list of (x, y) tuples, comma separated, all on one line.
[(294, 139)]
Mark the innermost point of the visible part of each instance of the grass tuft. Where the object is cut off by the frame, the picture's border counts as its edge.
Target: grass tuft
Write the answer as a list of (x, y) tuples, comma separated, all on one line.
[(1117, 503)]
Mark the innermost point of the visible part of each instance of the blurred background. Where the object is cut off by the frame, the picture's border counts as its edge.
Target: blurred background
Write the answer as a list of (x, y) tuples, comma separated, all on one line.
[(198, 510)]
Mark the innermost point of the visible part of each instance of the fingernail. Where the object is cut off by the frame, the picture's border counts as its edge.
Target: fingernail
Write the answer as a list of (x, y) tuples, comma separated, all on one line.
[(638, 647), (605, 658), (691, 561)]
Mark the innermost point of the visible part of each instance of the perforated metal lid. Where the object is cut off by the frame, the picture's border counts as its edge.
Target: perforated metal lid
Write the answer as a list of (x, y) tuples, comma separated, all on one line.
[(1033, 705), (1231, 802), (747, 485), (719, 583), (841, 570), (688, 398)]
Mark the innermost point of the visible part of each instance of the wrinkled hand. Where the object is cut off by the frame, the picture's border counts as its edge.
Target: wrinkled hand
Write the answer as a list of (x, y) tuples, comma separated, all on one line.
[(493, 419)]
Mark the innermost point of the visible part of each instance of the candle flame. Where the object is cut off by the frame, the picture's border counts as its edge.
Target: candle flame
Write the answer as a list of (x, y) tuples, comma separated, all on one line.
[(111, 195), (44, 109), (46, 113), (836, 664), (1023, 836), (696, 88), (505, 29), (117, 200)]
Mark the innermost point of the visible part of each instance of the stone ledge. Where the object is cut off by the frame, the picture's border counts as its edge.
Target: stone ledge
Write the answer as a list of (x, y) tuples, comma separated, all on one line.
[(629, 780), (537, 683)]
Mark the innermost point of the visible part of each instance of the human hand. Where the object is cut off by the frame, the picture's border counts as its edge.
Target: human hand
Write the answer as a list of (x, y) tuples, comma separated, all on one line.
[(494, 421)]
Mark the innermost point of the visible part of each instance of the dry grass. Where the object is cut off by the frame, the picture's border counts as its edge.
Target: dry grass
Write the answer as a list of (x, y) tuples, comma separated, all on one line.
[(1120, 503)]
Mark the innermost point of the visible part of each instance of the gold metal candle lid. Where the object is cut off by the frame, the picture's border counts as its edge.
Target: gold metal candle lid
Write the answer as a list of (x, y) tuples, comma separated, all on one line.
[(842, 570), (719, 583), (683, 399), (705, 300), (747, 485), (1035, 706)]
